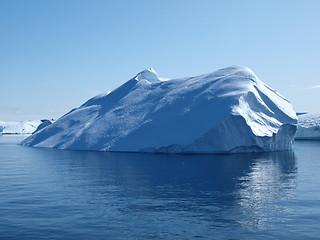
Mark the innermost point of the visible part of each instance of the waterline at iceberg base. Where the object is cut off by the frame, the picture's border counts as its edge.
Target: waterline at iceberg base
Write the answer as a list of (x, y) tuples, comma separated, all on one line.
[(229, 110)]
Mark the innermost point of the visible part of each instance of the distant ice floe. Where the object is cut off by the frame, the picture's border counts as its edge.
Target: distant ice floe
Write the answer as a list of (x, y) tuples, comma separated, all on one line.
[(308, 126), (22, 127)]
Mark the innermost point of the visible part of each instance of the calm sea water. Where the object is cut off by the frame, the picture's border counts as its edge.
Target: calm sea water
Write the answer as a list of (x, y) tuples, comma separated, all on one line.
[(54, 194)]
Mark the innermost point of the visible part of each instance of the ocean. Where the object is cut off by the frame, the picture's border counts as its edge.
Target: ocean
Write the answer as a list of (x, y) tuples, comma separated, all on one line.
[(60, 194)]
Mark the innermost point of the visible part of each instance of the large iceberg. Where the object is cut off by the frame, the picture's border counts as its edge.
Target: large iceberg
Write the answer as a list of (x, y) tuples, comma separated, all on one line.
[(308, 127), (226, 111)]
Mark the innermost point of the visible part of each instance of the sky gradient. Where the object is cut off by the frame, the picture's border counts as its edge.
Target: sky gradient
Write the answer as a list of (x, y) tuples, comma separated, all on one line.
[(55, 55)]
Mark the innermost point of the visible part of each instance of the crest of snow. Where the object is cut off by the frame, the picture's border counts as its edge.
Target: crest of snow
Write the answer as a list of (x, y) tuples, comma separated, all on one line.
[(149, 74), (162, 79), (229, 110), (102, 95)]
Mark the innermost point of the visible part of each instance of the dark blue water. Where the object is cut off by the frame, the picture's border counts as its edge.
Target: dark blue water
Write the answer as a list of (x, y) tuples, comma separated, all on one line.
[(52, 194)]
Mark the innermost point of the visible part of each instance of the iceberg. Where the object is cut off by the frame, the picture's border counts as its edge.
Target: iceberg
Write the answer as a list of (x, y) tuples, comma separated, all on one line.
[(22, 127), (308, 127), (227, 111)]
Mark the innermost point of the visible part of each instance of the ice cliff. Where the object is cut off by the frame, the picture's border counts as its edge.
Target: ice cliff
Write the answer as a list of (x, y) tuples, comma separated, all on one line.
[(229, 110), (308, 127)]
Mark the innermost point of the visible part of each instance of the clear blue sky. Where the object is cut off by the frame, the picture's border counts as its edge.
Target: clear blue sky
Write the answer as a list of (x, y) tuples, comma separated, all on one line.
[(56, 54)]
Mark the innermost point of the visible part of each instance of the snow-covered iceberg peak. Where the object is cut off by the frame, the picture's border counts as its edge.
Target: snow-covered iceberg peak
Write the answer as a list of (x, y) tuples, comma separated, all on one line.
[(229, 110), (149, 74)]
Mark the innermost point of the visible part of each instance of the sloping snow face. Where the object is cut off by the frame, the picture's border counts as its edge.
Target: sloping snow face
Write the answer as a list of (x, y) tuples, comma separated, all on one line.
[(23, 127), (308, 127), (227, 111), (44, 123)]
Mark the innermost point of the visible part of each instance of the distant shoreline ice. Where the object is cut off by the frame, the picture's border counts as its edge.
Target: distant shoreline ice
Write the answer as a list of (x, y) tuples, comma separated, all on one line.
[(308, 127)]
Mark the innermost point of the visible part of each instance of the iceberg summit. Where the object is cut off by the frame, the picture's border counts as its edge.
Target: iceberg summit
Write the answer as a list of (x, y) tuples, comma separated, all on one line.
[(226, 111)]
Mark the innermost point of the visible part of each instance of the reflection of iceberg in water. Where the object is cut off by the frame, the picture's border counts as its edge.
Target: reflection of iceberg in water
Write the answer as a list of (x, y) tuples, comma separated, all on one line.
[(271, 179), (173, 196)]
